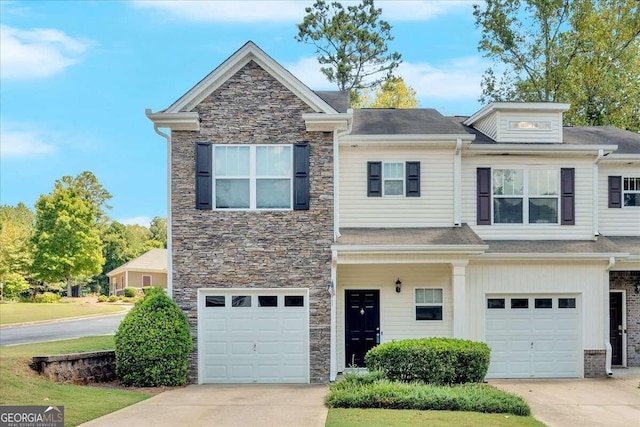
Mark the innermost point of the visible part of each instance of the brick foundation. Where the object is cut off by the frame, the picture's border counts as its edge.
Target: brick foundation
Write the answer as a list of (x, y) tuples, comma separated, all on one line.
[(595, 363), (627, 281)]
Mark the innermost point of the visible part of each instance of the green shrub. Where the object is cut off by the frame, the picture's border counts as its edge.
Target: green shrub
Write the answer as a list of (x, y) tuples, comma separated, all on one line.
[(130, 292), (147, 290), (431, 360), (14, 285), (153, 343), (360, 393), (102, 298), (112, 298), (46, 298)]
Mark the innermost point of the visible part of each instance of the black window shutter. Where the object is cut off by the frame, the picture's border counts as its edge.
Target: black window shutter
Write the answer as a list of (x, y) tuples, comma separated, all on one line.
[(413, 179), (483, 176), (567, 196), (204, 176), (374, 179), (301, 176), (615, 191)]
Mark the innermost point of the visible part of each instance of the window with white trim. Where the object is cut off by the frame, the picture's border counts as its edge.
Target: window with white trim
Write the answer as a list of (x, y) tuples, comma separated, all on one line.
[(253, 176), (631, 191), (526, 196), (529, 125), (429, 303), (393, 177)]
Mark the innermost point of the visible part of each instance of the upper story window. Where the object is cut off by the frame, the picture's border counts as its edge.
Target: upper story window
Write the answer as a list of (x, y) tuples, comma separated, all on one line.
[(252, 176), (631, 191), (393, 176), (529, 125), (525, 196)]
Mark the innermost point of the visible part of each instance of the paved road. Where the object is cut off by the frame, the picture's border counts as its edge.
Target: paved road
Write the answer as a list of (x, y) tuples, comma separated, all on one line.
[(61, 330)]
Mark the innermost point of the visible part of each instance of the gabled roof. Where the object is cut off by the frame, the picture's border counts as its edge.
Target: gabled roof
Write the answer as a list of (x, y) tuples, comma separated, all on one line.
[(389, 121), (628, 142), (338, 99), (248, 52), (153, 261)]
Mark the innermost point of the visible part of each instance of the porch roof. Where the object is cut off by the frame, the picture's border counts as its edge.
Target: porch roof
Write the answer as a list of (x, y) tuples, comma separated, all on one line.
[(602, 245), (432, 236), (630, 244)]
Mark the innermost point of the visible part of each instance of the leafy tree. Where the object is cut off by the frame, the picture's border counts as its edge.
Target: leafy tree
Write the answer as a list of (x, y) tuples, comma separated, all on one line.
[(582, 52), (137, 235), (394, 93), (66, 241), (16, 224), (91, 192), (351, 44), (14, 284), (158, 230)]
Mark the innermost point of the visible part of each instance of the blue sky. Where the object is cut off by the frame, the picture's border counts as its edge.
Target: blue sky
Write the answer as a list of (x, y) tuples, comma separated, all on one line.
[(76, 77)]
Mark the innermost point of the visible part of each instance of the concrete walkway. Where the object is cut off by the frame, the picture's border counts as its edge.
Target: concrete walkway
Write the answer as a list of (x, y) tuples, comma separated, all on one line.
[(606, 402), (225, 406)]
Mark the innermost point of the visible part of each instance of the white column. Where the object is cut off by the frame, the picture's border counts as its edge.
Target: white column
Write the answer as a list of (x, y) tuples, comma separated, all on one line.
[(333, 367), (458, 276)]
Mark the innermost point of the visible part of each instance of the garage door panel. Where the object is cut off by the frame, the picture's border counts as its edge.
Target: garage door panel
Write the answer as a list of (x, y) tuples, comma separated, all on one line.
[(534, 342)]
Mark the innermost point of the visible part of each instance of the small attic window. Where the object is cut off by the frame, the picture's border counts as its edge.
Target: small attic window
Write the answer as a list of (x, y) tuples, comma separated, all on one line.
[(527, 125)]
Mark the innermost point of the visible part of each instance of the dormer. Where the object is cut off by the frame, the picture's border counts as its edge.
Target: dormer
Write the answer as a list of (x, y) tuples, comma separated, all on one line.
[(520, 122)]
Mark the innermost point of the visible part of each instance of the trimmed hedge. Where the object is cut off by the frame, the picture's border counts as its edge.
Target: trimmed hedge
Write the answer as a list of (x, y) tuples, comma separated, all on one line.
[(130, 292), (431, 360), (369, 391), (153, 343)]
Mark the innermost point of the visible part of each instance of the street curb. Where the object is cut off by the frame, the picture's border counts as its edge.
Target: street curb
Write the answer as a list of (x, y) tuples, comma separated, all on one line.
[(65, 319)]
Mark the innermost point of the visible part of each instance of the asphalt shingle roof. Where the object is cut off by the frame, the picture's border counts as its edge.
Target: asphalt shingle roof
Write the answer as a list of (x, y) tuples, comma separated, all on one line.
[(339, 100), (153, 260), (463, 235), (602, 245), (628, 142), (629, 244), (388, 121)]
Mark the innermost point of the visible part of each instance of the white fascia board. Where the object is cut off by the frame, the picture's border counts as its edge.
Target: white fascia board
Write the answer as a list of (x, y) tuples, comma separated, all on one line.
[(416, 138), (448, 249), (175, 121), (327, 122), (540, 148), (248, 52), (552, 107), (621, 158), (551, 256)]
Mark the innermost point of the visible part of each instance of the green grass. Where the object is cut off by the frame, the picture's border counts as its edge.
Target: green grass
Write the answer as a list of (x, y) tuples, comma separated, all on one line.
[(20, 385), (20, 312), (391, 417)]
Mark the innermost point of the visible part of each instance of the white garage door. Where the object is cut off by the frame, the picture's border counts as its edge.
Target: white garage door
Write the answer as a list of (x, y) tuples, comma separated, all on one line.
[(533, 336), (253, 336)]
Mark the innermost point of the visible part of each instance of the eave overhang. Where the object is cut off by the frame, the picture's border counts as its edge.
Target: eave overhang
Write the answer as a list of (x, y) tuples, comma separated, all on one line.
[(433, 249), (540, 149), (175, 121), (428, 139), (322, 122), (550, 256), (622, 158)]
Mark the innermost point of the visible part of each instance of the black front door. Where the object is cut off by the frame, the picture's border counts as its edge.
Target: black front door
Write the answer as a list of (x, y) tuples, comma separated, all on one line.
[(362, 324), (616, 327)]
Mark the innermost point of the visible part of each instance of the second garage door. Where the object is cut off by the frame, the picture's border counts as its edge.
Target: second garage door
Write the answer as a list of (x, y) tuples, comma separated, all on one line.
[(253, 336), (533, 336)]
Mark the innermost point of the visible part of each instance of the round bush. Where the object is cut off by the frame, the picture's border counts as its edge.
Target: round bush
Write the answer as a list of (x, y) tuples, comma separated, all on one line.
[(102, 298), (153, 343), (113, 298), (437, 361), (130, 292)]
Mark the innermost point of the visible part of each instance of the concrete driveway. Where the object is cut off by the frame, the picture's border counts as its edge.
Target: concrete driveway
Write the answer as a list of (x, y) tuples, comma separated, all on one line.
[(613, 401), (225, 406)]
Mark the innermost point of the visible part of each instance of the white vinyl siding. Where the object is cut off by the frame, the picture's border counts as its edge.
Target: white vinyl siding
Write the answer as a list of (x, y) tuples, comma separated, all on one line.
[(624, 221), (397, 310), (583, 198), (434, 207), (586, 280), (488, 125), (508, 134)]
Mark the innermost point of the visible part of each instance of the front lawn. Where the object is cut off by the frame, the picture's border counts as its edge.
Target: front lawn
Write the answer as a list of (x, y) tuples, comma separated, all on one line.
[(20, 312), (20, 385), (390, 417)]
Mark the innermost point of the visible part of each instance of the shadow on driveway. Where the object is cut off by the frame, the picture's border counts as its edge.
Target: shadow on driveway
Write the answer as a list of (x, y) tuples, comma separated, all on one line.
[(613, 401)]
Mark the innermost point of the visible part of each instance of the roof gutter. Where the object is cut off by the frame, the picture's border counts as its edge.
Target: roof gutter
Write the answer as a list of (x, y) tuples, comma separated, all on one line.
[(539, 148), (174, 121), (384, 138), (551, 256), (449, 249)]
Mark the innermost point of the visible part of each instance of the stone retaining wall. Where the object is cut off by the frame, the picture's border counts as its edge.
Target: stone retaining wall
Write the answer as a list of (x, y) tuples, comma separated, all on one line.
[(78, 368)]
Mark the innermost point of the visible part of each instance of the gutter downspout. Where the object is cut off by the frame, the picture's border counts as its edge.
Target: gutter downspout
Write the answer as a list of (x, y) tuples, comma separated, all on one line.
[(457, 167), (336, 174), (595, 219), (607, 337), (169, 222), (333, 364)]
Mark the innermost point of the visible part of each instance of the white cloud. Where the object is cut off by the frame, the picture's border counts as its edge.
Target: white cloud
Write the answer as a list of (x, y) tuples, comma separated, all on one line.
[(37, 53), (291, 11), (22, 141), (139, 220), (307, 70)]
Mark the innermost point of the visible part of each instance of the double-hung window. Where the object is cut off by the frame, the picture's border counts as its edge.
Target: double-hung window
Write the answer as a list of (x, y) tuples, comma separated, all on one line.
[(631, 191), (393, 176), (429, 303), (253, 176), (525, 196)]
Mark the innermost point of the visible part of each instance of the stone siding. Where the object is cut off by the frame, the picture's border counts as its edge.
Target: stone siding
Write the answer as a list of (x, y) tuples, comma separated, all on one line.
[(595, 363), (261, 249), (628, 280), (78, 368)]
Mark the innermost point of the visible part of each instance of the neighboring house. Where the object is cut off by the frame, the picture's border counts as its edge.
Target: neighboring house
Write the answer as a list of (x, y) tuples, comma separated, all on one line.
[(149, 269), (303, 233)]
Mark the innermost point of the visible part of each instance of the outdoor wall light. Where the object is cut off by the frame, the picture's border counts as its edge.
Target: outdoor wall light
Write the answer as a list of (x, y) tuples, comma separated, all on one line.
[(399, 285)]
